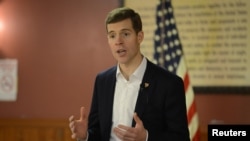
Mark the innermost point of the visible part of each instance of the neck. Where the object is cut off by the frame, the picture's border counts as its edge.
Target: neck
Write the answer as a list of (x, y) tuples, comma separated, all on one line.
[(128, 69)]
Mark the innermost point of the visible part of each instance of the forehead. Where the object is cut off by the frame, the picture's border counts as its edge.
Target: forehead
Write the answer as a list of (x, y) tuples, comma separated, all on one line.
[(121, 25)]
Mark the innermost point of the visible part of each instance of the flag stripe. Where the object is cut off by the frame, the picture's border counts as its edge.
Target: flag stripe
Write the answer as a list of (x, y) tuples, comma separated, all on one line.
[(189, 98), (186, 82), (191, 112), (194, 129), (169, 54)]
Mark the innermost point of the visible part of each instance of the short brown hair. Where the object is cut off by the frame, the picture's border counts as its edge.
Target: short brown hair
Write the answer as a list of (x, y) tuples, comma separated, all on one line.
[(123, 13)]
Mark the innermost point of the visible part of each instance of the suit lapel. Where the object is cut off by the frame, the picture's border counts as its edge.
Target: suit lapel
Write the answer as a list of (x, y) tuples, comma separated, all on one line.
[(110, 97), (143, 95), (109, 85)]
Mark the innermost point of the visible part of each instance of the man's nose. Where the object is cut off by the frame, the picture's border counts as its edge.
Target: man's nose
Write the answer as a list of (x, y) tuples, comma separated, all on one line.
[(119, 40)]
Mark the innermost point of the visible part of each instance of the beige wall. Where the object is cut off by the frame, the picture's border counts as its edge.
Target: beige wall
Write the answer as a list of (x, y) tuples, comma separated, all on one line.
[(60, 46)]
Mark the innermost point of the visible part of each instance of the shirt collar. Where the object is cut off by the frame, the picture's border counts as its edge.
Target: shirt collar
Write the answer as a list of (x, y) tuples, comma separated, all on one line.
[(139, 72)]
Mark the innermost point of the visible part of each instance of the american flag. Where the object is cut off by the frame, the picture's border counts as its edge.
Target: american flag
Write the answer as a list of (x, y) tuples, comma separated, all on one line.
[(169, 54)]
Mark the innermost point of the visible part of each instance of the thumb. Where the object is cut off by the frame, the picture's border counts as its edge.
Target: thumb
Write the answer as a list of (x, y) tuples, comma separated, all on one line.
[(137, 120), (82, 113)]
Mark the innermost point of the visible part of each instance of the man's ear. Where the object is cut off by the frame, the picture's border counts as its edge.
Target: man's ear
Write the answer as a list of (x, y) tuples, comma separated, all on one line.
[(140, 36)]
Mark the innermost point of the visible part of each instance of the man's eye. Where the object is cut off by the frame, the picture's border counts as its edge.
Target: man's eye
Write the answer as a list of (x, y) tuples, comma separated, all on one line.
[(111, 36), (125, 34)]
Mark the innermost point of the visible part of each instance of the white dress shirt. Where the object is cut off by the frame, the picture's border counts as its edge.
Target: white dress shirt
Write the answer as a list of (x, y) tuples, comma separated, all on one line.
[(126, 93)]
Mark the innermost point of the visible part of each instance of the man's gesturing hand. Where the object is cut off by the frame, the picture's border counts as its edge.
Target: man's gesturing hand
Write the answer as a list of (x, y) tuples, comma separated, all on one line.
[(137, 133), (79, 127)]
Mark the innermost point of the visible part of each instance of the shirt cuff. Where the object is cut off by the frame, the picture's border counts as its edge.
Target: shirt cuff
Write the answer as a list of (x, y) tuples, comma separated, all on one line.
[(83, 139), (147, 135)]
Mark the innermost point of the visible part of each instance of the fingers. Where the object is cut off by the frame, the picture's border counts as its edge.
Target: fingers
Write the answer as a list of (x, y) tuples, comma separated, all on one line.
[(71, 122), (123, 127), (72, 126), (78, 127), (71, 118), (121, 131), (125, 133), (138, 122), (131, 133), (82, 113), (73, 136)]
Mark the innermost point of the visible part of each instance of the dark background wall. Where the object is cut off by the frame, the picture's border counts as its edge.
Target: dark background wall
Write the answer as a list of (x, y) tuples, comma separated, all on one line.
[(60, 47)]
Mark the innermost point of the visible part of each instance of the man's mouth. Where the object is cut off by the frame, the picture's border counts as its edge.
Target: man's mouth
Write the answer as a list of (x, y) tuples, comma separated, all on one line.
[(121, 51)]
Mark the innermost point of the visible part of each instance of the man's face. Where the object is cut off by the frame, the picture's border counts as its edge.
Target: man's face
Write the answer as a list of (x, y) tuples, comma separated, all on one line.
[(123, 41)]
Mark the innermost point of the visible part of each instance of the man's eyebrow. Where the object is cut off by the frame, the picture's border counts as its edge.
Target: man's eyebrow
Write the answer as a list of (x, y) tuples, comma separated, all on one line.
[(122, 30), (126, 29), (110, 32)]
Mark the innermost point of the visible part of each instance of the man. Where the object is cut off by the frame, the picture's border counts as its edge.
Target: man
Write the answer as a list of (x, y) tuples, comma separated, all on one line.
[(135, 100)]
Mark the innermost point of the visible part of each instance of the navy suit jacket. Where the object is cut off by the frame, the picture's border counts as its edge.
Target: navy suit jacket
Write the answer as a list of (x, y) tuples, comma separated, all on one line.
[(161, 105)]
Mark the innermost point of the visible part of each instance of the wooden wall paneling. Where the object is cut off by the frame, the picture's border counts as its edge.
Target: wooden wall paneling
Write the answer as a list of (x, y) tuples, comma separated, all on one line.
[(45, 130), (34, 130)]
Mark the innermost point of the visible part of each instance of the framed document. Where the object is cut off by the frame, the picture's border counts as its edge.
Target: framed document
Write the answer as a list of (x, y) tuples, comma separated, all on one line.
[(215, 37)]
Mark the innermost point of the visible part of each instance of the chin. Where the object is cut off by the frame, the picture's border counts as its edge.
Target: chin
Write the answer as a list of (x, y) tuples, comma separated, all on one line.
[(122, 61)]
